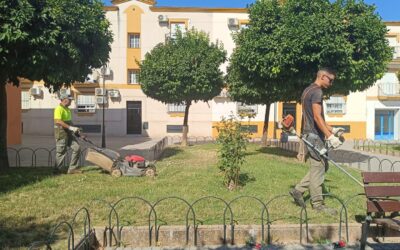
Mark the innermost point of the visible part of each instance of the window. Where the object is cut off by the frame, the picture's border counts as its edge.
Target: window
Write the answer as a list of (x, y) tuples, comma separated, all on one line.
[(133, 76), (336, 105), (86, 104), (134, 41), (248, 109), (175, 27), (25, 100), (176, 108)]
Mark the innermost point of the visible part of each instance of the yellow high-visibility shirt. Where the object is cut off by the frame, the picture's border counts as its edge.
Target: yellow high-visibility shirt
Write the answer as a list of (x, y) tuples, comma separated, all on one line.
[(62, 113)]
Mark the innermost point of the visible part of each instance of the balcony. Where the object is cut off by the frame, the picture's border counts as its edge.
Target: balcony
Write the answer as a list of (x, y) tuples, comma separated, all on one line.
[(388, 90)]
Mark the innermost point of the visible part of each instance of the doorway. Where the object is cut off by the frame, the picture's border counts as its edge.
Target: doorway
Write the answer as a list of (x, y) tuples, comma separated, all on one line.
[(134, 117), (384, 124)]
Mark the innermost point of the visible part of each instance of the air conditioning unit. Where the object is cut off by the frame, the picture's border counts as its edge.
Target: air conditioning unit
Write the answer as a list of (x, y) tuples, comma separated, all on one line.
[(163, 18), (114, 93), (101, 99), (233, 22), (64, 91), (36, 91), (100, 91), (92, 78)]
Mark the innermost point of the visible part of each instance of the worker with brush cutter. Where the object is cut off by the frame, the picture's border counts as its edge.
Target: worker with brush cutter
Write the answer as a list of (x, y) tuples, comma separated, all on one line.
[(316, 131), (64, 134)]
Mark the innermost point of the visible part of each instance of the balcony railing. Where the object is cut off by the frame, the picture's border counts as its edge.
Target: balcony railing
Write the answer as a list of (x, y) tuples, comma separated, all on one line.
[(389, 89)]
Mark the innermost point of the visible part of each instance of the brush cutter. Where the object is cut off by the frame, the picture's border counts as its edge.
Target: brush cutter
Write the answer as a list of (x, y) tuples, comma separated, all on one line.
[(287, 126), (113, 163)]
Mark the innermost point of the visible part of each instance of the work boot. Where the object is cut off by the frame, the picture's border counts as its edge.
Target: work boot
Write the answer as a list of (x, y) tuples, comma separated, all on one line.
[(297, 197), (324, 209), (74, 171)]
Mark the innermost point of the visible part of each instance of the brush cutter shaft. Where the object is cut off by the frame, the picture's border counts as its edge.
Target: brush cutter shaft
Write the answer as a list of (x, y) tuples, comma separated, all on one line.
[(287, 126), (324, 154)]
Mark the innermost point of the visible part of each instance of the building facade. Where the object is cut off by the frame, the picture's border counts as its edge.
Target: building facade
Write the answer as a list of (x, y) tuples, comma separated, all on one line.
[(138, 26)]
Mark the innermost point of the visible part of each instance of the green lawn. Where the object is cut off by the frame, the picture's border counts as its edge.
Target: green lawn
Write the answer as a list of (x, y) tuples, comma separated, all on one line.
[(32, 201)]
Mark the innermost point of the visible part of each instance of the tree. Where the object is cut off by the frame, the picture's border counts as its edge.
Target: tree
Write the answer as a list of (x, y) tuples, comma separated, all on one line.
[(184, 70), (57, 41), (286, 42)]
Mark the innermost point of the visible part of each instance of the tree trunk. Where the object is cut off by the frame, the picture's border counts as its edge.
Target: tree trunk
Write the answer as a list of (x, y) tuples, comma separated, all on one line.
[(185, 128), (3, 127), (264, 139)]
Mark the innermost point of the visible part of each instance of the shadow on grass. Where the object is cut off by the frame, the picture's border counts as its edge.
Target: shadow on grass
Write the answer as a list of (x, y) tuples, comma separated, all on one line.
[(277, 151), (21, 232), (14, 178), (169, 152), (244, 178)]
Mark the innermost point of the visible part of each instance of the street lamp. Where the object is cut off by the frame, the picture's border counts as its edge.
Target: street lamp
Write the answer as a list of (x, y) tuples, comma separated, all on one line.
[(105, 71)]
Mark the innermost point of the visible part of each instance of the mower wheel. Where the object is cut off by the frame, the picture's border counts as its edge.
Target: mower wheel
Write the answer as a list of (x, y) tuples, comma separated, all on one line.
[(150, 172), (116, 173)]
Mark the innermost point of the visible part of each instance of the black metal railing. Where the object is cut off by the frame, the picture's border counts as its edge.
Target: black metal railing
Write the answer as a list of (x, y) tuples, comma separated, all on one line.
[(229, 218)]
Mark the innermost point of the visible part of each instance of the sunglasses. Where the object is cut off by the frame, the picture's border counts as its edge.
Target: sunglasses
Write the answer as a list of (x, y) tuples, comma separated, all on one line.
[(330, 79)]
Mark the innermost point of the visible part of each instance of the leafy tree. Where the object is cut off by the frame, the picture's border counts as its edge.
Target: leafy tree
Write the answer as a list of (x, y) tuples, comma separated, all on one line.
[(57, 41), (184, 70), (287, 41)]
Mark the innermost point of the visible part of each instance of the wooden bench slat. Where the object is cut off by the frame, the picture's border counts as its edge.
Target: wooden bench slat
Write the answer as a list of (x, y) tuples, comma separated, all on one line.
[(382, 191), (383, 206), (388, 222), (379, 177)]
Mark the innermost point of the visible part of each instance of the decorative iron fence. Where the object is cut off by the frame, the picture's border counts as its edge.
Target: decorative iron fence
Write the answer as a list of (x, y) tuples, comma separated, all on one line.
[(44, 157), (228, 217), (389, 147)]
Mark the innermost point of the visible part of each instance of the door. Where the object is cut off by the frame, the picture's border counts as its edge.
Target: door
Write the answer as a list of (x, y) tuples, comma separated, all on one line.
[(384, 124), (134, 117)]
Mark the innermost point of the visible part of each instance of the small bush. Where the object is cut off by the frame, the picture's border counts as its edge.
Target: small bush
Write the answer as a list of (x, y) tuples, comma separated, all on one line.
[(233, 139)]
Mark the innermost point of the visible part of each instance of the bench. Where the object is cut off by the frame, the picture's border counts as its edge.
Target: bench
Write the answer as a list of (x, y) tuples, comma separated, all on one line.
[(383, 201)]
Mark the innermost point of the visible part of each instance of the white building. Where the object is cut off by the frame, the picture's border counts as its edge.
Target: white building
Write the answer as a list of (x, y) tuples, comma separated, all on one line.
[(138, 26)]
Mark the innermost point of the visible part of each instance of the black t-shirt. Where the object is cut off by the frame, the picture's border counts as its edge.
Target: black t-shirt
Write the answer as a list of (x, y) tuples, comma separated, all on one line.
[(312, 94)]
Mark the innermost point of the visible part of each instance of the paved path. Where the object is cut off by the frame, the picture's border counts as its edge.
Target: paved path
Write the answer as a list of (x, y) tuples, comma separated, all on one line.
[(366, 161)]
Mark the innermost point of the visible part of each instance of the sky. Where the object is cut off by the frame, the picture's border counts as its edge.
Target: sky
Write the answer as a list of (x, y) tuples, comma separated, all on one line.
[(389, 10)]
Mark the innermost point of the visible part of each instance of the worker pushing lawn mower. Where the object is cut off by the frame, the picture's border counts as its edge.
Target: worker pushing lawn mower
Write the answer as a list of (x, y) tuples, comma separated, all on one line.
[(319, 137)]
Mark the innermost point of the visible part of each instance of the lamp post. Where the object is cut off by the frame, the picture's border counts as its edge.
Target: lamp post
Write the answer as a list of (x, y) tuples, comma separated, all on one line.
[(105, 71)]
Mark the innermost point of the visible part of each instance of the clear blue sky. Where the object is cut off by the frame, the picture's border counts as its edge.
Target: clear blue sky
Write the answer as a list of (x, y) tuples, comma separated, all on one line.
[(388, 9)]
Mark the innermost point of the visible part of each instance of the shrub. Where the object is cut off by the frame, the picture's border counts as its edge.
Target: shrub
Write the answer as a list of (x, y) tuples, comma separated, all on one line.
[(233, 138)]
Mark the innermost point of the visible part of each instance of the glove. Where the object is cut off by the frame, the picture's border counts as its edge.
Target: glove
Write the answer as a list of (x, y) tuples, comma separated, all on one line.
[(334, 141), (292, 131), (74, 130), (338, 131)]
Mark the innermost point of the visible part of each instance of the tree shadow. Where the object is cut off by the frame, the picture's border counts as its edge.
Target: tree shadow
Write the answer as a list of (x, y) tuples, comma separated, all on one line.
[(169, 152), (14, 177), (245, 178), (21, 232), (277, 152)]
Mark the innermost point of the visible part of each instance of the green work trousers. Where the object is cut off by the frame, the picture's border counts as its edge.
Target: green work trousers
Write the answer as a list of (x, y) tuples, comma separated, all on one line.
[(61, 151)]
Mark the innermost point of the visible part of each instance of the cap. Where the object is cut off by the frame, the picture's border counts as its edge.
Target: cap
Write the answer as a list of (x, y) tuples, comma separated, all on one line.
[(65, 96)]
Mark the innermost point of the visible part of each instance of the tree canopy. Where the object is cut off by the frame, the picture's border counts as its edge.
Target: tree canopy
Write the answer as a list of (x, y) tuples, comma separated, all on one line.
[(57, 41), (184, 70), (286, 42)]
